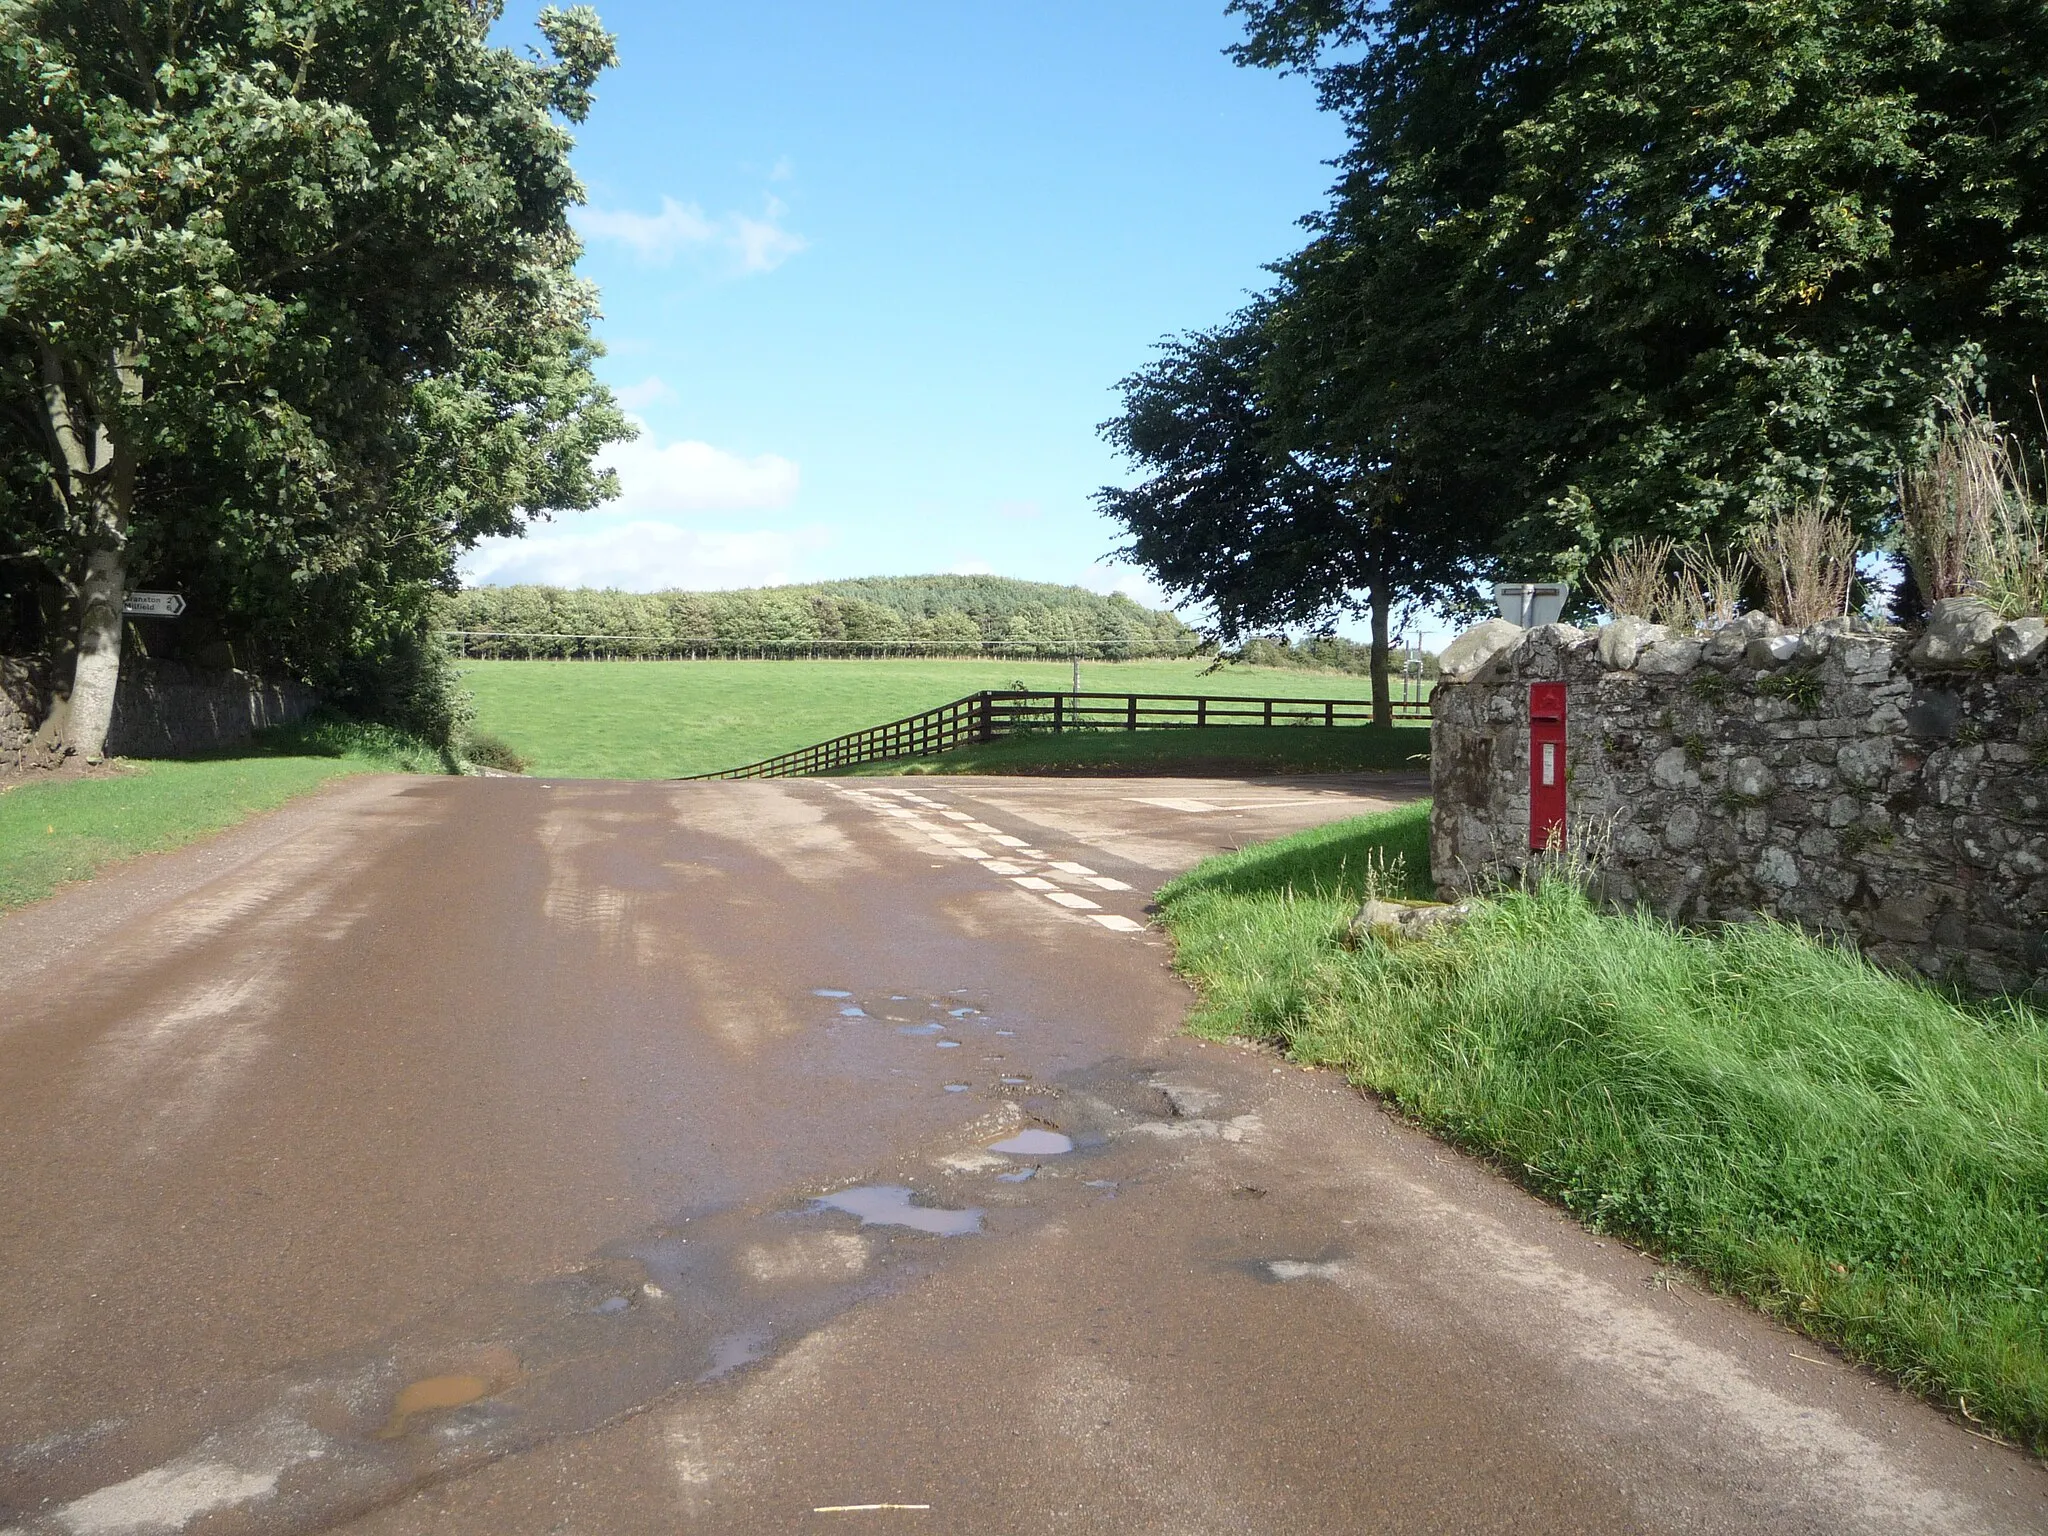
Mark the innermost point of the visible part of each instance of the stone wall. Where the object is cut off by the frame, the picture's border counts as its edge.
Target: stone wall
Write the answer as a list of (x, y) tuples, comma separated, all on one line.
[(162, 709), (1889, 789), (24, 701)]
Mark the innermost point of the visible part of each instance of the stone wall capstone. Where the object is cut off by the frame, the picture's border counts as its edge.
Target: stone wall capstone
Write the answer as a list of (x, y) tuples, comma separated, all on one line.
[(1855, 780), (161, 709)]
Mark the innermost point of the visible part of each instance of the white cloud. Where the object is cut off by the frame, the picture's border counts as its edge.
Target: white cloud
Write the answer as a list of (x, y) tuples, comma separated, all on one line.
[(649, 391), (641, 556), (1112, 576), (658, 479), (748, 244)]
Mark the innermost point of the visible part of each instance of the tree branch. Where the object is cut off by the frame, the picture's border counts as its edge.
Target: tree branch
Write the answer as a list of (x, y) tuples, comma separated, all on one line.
[(57, 409)]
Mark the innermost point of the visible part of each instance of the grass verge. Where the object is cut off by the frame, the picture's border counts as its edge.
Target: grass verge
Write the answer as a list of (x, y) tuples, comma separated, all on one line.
[(664, 719), (1859, 1155), (59, 829), (1224, 750)]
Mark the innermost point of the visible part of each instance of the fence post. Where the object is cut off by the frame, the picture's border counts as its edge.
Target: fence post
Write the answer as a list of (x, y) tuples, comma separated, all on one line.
[(1059, 704), (1131, 716), (988, 717), (1269, 711), (1201, 711), (1329, 713)]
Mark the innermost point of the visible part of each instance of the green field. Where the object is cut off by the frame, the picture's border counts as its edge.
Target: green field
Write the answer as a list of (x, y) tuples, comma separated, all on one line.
[(1856, 1153), (55, 830), (664, 719)]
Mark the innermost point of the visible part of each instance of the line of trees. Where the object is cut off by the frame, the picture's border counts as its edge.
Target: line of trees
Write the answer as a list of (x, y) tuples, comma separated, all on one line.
[(940, 611), (1594, 271), (288, 320)]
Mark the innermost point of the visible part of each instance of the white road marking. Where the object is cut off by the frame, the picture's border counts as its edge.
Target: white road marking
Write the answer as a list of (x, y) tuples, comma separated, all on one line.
[(947, 840)]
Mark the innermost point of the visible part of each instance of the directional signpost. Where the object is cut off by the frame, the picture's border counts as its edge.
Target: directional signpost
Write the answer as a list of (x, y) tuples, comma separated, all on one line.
[(154, 605)]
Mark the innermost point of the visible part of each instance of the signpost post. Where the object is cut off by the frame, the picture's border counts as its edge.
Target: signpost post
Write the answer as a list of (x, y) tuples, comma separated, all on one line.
[(154, 605)]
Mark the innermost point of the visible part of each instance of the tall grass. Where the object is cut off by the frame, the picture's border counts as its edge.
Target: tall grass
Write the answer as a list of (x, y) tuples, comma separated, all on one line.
[(1807, 556), (1862, 1156), (1973, 524)]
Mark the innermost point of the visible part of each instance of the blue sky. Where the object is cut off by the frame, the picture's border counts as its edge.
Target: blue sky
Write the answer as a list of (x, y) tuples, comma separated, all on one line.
[(871, 269)]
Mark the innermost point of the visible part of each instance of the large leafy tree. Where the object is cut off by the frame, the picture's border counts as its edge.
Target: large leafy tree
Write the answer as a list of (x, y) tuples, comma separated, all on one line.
[(1263, 508), (286, 310), (1665, 264)]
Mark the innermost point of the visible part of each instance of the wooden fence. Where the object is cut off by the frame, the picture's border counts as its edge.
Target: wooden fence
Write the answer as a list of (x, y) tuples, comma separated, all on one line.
[(983, 717)]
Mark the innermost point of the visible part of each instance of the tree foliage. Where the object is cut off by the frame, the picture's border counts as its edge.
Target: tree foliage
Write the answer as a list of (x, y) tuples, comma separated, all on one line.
[(302, 271), (964, 611), (1266, 506), (1669, 265)]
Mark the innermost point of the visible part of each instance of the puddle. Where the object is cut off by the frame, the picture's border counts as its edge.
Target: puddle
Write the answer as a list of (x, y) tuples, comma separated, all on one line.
[(736, 1351), (948, 1045), (963, 1013), (958, 1087), (1013, 1082), (435, 1392), (890, 1205), (853, 1011), (1006, 1032), (1300, 1269), (612, 1306), (829, 992), (1034, 1143), (921, 1029), (1016, 1175)]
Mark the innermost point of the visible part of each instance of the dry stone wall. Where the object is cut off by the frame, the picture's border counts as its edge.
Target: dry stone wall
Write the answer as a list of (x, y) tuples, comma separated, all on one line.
[(161, 709), (1858, 781), (24, 701)]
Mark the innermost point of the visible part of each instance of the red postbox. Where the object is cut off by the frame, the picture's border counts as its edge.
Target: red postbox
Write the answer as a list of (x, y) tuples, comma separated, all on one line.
[(1546, 765)]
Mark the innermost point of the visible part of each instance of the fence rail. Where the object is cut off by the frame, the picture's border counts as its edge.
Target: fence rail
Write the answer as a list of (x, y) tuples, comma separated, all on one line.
[(990, 716)]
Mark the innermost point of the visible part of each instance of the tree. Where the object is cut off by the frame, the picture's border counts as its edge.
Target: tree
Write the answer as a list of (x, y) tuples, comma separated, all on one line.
[(286, 307), (1259, 509), (1679, 262)]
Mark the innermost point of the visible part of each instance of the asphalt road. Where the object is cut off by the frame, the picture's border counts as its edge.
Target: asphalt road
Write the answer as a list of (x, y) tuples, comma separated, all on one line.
[(497, 1156)]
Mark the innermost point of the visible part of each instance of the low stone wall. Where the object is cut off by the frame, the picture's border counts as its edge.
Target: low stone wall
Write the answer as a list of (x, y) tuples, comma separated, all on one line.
[(1854, 780), (167, 709), (162, 709), (24, 701)]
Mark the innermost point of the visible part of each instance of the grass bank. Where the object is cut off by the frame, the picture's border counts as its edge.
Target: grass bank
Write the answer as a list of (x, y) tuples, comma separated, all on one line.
[(1860, 1156), (1223, 750), (663, 719), (59, 829)]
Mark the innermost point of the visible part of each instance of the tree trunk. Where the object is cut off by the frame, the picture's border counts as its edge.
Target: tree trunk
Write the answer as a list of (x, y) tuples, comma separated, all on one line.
[(1382, 691), (98, 671), (95, 464)]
